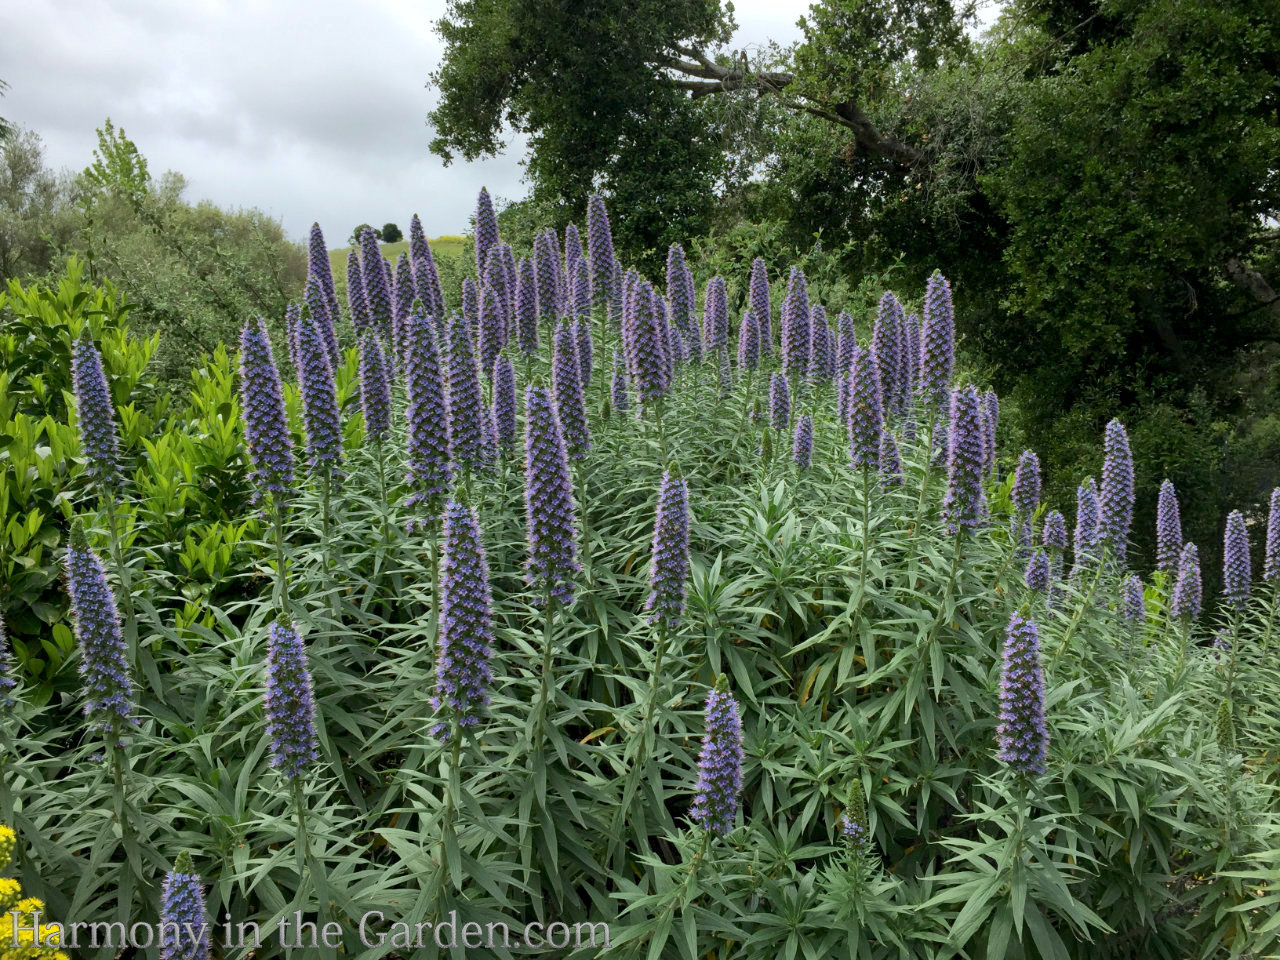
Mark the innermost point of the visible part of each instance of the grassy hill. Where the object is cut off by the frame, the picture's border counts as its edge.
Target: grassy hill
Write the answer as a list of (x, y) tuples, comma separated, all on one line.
[(446, 246)]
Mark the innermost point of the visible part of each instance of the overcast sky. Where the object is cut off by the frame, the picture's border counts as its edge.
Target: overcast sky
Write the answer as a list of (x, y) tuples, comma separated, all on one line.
[(311, 111)]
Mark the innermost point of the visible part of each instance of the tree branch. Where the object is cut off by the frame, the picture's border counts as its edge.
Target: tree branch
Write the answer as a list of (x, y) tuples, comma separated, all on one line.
[(711, 78), (1253, 283)]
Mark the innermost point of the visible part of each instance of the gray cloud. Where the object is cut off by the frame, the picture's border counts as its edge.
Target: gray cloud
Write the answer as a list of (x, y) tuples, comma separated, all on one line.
[(309, 112)]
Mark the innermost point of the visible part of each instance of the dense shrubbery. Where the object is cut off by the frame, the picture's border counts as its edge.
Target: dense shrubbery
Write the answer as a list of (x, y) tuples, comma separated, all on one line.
[(746, 655)]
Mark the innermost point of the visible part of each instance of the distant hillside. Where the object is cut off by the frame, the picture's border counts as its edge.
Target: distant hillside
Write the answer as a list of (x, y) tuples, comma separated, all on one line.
[(444, 248)]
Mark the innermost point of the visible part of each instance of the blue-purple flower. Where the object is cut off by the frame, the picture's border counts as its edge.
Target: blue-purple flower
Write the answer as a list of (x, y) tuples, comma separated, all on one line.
[(486, 229), (428, 426), (802, 442), (377, 283), (319, 404), (566, 378), (599, 248), (619, 393), (715, 802), (1271, 562), (504, 405), (795, 327), (586, 349), (95, 415), (375, 389), (1168, 529), (1134, 605), (1036, 576), (526, 308), (1184, 601), (866, 414), (290, 703), (965, 505), (357, 302), (645, 345), (887, 349), (938, 346), (1086, 532), (1022, 733), (759, 304), (1237, 572), (464, 402), (1115, 500), (779, 400), (715, 316), (425, 275), (184, 922), (890, 460), (669, 563), (8, 676), (549, 510), (466, 633), (266, 425), (748, 343)]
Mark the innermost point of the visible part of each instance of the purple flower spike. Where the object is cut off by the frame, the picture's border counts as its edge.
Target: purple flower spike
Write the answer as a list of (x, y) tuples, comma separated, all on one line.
[(572, 249), (822, 352), (357, 303), (846, 340), (680, 294), (466, 633), (1271, 564), (887, 349), (1025, 493), (1134, 606), (377, 284), (546, 271), (1168, 529), (1236, 569), (486, 229), (1037, 573), (319, 267), (184, 922), (428, 442), (319, 405), (1086, 533), (403, 292), (425, 276), (619, 394), (599, 248), (375, 389), (549, 510), (1115, 501), (566, 378), (493, 330), (760, 310), (795, 326), (1055, 531), (313, 296), (1022, 733), (580, 290), (715, 316), (495, 281), (890, 461), (991, 418), (464, 403), (8, 675), (266, 425), (526, 309), (938, 343), (866, 415), (715, 804), (95, 415), (911, 350), (1184, 601), (748, 343), (290, 703), (779, 401), (645, 345), (586, 349), (802, 442), (965, 504), (104, 660), (669, 563), (504, 405)]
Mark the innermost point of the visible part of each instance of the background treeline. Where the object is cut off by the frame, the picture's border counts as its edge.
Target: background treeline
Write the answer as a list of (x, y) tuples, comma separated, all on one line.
[(1098, 179)]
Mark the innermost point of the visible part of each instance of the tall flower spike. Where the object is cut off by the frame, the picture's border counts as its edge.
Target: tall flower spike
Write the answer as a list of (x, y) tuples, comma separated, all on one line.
[(464, 403), (1168, 529), (1026, 490), (779, 401), (357, 302), (471, 307), (572, 248), (526, 309), (715, 316), (466, 633), (428, 441), (495, 279), (669, 558), (1135, 604), (795, 326), (1271, 563), (1022, 733), (599, 248), (566, 379), (965, 504), (846, 340), (580, 290), (1184, 601), (586, 349), (319, 404), (911, 349), (1237, 573), (486, 229), (266, 425), (760, 308), (1037, 573), (890, 460), (8, 676), (292, 324), (991, 413), (493, 329), (938, 343), (425, 275), (504, 405), (619, 394), (375, 389), (508, 258), (403, 293), (313, 296), (866, 416), (715, 802), (887, 347), (318, 266), (1086, 533), (1055, 530), (680, 294), (377, 285), (548, 495), (184, 921), (546, 273), (802, 442), (822, 354), (95, 414), (104, 661), (1115, 501), (290, 702), (748, 343), (644, 341)]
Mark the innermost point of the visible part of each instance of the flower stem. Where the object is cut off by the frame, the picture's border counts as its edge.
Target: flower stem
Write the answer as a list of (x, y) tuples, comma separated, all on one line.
[(282, 582)]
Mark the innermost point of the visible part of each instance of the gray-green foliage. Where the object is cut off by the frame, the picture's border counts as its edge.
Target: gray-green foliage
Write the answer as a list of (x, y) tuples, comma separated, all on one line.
[(1145, 838)]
